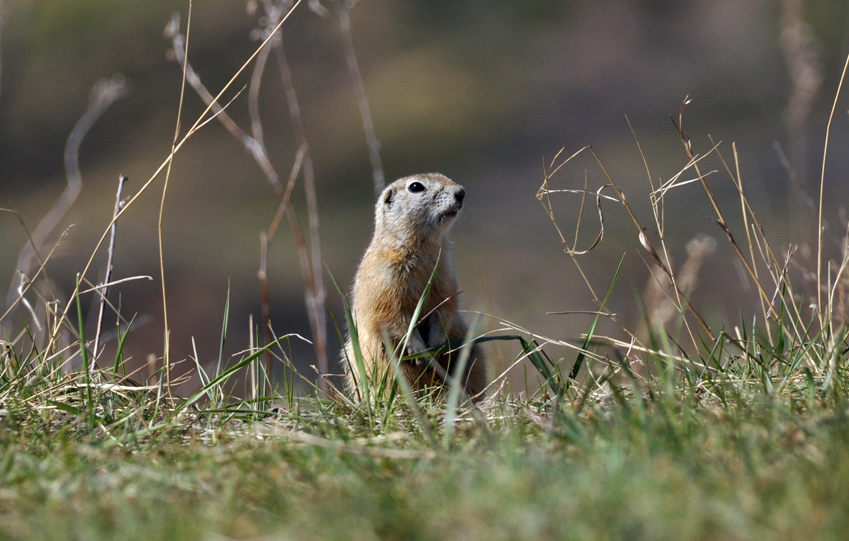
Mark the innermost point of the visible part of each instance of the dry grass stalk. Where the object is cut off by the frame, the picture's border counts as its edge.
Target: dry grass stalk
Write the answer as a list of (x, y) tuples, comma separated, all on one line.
[(104, 287), (720, 218), (667, 292), (178, 126), (823, 316), (315, 291), (756, 238), (103, 94), (647, 244), (202, 119), (342, 10), (544, 197), (661, 305), (31, 266)]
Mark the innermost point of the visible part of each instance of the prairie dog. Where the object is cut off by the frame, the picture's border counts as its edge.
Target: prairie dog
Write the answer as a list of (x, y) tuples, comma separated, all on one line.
[(411, 222)]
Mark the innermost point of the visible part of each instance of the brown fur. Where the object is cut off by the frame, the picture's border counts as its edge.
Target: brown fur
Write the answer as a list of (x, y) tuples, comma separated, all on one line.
[(409, 238)]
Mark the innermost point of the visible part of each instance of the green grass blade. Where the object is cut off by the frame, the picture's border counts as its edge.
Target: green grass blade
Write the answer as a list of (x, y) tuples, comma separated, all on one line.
[(361, 376), (579, 360)]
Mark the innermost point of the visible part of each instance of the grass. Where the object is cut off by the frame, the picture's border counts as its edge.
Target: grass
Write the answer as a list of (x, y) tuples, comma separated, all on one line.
[(684, 428), (675, 466), (755, 448)]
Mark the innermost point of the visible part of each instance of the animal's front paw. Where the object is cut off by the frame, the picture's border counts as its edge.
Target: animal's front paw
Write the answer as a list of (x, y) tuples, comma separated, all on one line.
[(417, 360), (415, 346)]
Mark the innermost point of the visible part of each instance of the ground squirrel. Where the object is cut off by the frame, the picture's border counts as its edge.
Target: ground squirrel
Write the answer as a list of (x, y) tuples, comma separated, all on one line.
[(412, 218)]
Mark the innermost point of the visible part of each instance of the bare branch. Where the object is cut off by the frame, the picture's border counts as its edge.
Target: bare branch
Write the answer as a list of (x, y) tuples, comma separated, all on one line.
[(316, 292), (820, 219), (169, 158), (251, 144), (360, 91), (105, 289), (103, 94), (720, 218)]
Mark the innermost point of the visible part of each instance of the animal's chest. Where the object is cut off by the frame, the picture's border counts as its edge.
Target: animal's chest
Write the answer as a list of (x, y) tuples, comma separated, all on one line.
[(409, 282)]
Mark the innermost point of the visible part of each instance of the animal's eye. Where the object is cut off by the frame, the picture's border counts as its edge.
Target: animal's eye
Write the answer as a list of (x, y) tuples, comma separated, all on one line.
[(416, 187)]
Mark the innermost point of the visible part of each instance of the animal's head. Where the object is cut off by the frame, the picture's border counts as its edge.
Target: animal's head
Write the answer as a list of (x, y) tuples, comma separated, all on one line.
[(419, 208)]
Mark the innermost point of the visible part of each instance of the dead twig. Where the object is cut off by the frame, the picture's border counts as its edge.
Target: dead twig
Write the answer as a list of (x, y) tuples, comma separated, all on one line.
[(253, 146), (265, 242), (104, 289), (316, 292), (720, 218), (820, 313), (360, 91), (202, 119), (104, 93), (647, 244)]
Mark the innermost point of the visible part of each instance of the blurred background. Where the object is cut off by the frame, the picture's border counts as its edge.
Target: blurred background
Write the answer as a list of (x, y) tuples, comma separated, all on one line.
[(483, 91)]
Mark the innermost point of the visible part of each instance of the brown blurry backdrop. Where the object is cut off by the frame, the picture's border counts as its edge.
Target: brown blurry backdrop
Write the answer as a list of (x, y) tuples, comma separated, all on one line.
[(480, 91)]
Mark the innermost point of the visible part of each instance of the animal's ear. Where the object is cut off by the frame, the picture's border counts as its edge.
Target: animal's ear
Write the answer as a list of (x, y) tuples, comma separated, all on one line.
[(387, 197)]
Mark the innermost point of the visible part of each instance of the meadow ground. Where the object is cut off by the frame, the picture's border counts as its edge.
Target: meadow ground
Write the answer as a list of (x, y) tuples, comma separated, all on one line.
[(734, 456)]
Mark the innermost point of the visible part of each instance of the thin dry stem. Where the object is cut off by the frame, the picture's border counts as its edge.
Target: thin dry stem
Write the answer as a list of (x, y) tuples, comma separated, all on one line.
[(303, 258), (26, 283), (104, 289), (821, 315), (661, 300), (167, 335), (254, 146), (779, 276), (720, 218), (658, 204), (266, 302), (544, 197), (103, 94), (265, 241), (648, 245), (362, 101), (316, 292), (767, 254), (287, 194), (769, 258), (202, 118)]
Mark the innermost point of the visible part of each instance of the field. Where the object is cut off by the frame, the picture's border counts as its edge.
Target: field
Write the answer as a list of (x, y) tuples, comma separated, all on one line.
[(683, 425), (757, 450)]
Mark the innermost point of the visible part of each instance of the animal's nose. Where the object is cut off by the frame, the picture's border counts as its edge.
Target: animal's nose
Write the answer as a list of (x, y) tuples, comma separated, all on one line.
[(459, 195)]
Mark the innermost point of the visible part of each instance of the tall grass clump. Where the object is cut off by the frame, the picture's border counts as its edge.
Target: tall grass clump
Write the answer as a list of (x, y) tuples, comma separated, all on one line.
[(790, 354)]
